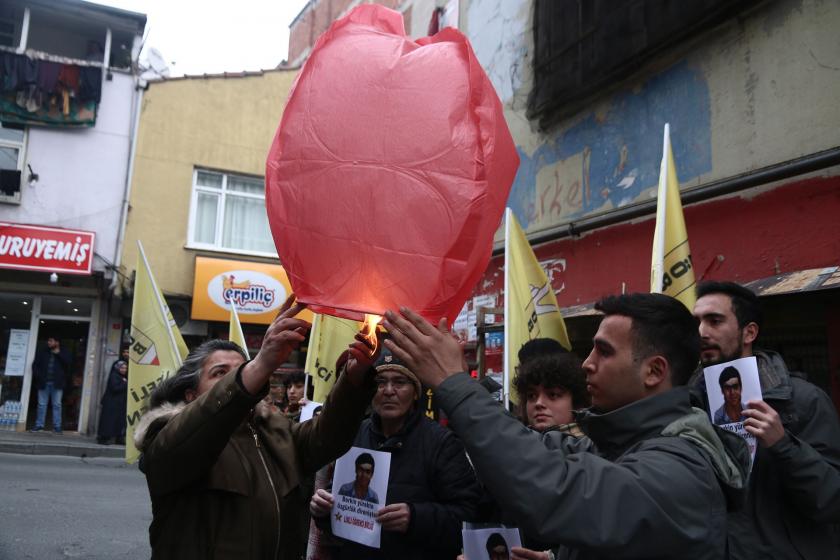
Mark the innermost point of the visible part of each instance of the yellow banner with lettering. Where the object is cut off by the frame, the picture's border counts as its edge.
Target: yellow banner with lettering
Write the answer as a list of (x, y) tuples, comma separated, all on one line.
[(156, 352), (672, 272)]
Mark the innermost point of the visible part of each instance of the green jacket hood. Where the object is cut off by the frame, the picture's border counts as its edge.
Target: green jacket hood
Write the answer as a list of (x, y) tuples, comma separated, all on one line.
[(727, 452)]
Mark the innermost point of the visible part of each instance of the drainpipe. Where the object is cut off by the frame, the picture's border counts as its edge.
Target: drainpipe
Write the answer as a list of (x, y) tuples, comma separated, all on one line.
[(137, 105), (776, 172)]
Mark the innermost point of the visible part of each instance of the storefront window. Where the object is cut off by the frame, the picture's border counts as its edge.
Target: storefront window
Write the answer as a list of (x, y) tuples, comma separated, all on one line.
[(15, 318)]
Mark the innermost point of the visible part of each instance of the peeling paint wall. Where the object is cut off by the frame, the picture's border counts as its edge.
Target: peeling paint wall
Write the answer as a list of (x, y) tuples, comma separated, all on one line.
[(758, 90)]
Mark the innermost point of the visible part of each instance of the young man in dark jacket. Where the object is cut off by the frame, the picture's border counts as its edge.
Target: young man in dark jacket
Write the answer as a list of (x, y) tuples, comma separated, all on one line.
[(431, 487), (50, 371), (224, 478), (794, 489), (657, 481)]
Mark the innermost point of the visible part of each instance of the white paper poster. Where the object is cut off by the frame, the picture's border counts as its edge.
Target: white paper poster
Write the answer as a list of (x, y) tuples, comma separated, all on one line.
[(489, 543), (360, 486), (729, 387), (16, 355), (308, 410)]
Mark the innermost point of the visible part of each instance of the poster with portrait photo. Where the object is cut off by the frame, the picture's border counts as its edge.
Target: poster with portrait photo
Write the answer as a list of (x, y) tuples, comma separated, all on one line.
[(489, 542), (730, 386), (360, 485), (309, 410)]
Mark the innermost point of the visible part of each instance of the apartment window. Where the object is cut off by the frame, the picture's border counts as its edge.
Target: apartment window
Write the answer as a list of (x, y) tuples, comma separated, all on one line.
[(228, 214), (11, 147), (11, 162)]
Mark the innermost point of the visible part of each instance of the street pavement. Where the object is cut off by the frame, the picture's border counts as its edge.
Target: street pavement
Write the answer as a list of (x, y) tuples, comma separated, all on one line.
[(58, 507)]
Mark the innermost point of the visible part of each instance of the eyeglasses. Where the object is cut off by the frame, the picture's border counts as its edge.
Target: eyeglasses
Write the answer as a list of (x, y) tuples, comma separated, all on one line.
[(398, 383)]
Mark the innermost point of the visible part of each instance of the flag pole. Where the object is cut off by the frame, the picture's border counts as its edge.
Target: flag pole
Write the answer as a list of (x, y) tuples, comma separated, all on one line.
[(508, 326), (661, 206), (161, 306), (239, 326)]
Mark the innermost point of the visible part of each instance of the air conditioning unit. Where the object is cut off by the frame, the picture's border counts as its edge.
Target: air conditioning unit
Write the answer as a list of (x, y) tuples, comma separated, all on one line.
[(10, 186)]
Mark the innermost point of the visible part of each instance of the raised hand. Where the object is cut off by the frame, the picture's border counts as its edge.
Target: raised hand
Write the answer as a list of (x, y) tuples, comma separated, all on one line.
[(284, 334), (432, 353), (363, 354)]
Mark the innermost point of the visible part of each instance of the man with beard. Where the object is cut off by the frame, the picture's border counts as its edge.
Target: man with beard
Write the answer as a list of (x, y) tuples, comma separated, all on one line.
[(794, 489), (656, 481)]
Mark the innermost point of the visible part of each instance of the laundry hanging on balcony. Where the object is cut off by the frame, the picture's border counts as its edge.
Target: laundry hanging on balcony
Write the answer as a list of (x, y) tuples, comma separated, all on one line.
[(48, 93)]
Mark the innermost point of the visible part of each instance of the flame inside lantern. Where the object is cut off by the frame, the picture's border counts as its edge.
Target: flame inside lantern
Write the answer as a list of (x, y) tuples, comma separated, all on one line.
[(369, 330)]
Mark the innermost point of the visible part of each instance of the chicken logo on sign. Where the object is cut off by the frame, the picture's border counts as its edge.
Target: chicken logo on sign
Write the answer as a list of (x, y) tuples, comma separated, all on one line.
[(251, 291), (389, 172)]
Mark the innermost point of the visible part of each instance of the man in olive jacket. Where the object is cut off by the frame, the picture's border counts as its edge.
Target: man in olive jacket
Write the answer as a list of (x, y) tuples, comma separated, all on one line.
[(657, 481), (225, 481), (794, 489)]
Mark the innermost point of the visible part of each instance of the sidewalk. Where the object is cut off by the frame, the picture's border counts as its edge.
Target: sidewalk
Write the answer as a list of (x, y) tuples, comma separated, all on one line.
[(71, 444)]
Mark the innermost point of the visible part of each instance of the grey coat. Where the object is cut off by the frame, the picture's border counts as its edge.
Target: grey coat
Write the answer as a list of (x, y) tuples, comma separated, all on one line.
[(794, 489), (651, 480)]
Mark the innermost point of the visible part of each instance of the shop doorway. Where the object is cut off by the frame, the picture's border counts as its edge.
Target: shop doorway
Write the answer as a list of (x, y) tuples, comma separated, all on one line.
[(72, 333)]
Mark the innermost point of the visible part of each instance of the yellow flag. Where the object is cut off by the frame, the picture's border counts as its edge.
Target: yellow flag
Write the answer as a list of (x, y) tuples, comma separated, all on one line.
[(235, 333), (531, 309), (329, 337), (157, 348), (672, 272)]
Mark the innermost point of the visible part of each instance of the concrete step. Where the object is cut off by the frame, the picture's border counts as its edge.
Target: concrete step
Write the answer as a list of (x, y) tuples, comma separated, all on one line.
[(71, 444)]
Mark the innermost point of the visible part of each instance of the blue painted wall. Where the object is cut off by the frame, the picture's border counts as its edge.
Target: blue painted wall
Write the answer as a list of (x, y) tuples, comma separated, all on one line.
[(621, 147)]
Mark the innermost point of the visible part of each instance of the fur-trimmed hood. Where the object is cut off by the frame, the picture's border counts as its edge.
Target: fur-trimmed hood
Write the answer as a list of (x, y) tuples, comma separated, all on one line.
[(165, 412)]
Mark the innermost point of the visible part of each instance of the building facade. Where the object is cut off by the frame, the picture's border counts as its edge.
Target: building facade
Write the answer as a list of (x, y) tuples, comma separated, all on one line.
[(197, 201), (68, 110), (748, 88)]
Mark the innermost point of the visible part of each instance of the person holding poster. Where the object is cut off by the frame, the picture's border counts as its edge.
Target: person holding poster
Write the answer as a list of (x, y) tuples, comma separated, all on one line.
[(794, 490), (224, 476), (431, 487), (659, 479)]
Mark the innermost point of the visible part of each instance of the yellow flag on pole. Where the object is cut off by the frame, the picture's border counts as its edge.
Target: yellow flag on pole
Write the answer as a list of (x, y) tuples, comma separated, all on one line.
[(157, 348), (672, 272), (329, 337), (531, 309), (235, 333)]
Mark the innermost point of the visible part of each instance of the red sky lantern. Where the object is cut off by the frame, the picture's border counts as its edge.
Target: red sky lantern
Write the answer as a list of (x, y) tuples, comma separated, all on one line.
[(389, 172)]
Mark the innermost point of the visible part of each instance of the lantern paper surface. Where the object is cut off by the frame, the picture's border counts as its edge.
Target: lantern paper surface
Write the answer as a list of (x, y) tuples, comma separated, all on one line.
[(389, 172)]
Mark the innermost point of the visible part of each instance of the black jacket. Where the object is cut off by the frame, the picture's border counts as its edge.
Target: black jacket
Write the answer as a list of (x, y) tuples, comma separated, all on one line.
[(112, 417), (656, 484), (429, 472), (41, 363), (794, 489)]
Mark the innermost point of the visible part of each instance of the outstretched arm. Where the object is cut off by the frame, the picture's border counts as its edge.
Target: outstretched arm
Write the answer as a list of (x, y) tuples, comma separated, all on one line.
[(578, 499)]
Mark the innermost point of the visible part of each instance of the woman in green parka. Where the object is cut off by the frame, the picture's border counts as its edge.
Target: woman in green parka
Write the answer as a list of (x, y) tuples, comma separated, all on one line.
[(223, 471)]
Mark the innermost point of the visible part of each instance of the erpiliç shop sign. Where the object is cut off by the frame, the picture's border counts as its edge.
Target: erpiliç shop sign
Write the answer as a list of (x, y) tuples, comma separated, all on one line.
[(25, 247)]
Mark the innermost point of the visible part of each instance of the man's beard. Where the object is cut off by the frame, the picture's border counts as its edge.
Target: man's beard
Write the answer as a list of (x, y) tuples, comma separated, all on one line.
[(723, 358)]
